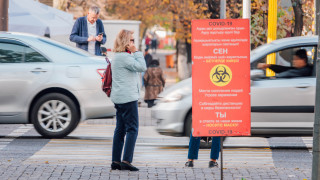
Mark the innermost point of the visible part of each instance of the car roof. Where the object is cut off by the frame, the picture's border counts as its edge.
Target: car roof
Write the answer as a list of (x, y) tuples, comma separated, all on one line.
[(18, 35), (30, 38), (283, 43)]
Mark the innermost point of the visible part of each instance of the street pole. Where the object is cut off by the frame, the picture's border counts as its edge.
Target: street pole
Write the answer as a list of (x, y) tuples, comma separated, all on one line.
[(223, 9), (223, 15), (317, 16), (272, 32), (316, 126), (4, 5), (221, 158), (246, 9)]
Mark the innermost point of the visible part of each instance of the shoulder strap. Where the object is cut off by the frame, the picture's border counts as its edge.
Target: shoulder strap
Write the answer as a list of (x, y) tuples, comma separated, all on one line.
[(107, 60)]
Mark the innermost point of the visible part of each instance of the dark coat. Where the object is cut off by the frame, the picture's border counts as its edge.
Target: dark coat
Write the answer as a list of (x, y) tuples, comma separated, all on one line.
[(154, 82), (79, 34), (148, 59)]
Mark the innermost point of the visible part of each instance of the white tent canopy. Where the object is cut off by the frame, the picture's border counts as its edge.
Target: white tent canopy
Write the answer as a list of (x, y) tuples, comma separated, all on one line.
[(33, 17)]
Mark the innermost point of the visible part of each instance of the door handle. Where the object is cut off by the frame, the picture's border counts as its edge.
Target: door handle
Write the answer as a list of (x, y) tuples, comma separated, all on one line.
[(36, 70)]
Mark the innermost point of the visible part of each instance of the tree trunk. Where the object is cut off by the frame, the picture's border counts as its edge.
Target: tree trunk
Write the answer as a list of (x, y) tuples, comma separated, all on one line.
[(4, 15), (214, 8), (184, 68), (141, 38), (298, 14)]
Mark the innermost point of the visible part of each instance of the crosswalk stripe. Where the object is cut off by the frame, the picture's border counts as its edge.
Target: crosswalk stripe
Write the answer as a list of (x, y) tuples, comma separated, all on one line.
[(13, 135), (98, 152)]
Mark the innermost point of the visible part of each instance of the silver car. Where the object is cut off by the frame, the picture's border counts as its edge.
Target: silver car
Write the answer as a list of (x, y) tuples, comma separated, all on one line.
[(282, 106), (49, 84)]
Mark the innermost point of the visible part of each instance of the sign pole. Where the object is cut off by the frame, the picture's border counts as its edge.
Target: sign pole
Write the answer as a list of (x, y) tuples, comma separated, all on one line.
[(223, 9), (316, 133), (246, 4), (221, 149)]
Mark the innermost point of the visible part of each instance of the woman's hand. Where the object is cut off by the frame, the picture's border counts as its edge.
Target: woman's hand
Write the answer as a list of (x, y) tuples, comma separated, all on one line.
[(132, 48)]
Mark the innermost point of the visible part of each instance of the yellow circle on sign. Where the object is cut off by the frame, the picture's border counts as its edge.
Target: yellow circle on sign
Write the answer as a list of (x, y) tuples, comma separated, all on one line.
[(220, 75)]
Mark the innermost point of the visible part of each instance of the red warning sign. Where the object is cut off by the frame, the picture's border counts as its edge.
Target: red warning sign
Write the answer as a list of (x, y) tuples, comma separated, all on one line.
[(221, 77)]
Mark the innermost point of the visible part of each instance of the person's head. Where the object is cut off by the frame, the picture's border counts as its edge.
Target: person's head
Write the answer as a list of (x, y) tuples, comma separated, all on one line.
[(154, 63), (103, 50), (123, 40), (93, 14), (300, 58)]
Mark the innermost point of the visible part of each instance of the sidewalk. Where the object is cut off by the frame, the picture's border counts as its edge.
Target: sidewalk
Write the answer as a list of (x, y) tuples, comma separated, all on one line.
[(85, 172)]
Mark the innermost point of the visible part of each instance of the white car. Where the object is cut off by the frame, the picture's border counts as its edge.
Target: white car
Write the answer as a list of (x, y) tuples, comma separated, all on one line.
[(279, 107), (49, 84)]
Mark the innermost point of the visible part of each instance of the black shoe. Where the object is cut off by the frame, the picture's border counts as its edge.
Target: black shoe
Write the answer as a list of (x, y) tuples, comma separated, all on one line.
[(213, 164), (127, 166), (115, 166), (189, 164)]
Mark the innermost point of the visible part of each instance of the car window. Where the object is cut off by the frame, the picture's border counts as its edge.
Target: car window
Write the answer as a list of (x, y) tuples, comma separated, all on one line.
[(33, 56), (73, 50), (11, 53), (285, 56)]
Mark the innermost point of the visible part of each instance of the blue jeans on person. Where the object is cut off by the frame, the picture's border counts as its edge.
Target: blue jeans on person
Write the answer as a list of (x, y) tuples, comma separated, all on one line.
[(194, 146), (127, 125)]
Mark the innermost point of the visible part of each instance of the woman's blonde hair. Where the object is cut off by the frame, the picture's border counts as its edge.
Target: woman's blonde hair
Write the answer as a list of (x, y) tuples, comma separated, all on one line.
[(122, 40)]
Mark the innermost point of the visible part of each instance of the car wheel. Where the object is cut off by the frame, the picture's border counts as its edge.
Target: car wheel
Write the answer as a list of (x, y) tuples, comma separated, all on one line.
[(187, 131), (54, 115)]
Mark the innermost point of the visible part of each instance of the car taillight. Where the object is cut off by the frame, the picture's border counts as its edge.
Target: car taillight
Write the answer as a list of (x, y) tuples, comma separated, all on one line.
[(100, 72)]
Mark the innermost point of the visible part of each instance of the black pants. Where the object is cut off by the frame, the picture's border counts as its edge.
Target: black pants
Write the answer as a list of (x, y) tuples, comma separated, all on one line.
[(127, 125), (150, 102)]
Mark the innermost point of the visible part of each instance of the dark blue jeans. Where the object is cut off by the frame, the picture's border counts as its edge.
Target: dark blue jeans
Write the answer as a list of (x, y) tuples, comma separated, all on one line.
[(127, 125), (194, 145)]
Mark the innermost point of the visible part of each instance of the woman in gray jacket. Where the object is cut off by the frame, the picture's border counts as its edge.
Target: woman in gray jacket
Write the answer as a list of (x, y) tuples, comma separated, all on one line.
[(125, 93)]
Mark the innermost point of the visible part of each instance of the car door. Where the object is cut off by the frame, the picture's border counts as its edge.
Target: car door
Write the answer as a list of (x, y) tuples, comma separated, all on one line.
[(22, 71), (284, 105)]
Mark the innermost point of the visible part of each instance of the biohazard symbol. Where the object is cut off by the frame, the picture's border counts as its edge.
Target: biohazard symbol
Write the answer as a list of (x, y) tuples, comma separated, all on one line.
[(220, 75)]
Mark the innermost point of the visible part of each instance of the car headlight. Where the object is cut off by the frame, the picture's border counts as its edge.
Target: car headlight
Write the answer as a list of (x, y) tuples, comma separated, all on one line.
[(176, 95), (172, 97)]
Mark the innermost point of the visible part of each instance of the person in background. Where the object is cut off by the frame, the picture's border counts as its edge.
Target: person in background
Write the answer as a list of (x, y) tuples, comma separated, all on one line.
[(148, 41), (126, 64), (154, 43), (154, 82), (300, 66), (103, 51), (88, 32), (194, 145), (47, 33), (148, 59)]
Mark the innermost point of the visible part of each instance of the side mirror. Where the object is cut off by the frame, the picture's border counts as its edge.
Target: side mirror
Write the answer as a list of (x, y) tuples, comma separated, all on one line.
[(256, 73)]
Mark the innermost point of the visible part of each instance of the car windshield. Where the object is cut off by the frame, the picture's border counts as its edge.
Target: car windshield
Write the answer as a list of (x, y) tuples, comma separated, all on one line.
[(66, 47), (261, 49)]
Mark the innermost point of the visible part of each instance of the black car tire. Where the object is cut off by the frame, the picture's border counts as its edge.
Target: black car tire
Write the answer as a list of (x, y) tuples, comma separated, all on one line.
[(69, 105), (188, 124)]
